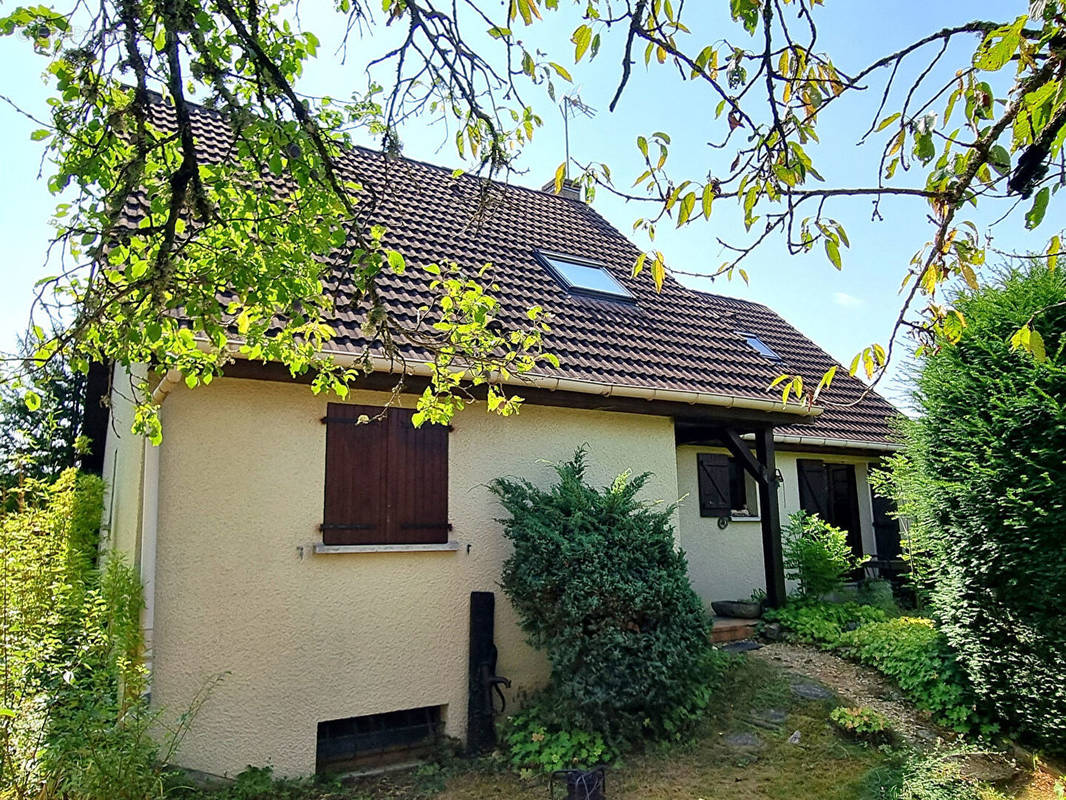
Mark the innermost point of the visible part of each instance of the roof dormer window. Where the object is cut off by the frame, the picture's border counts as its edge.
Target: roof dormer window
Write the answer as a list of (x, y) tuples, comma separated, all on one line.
[(584, 277), (759, 346)]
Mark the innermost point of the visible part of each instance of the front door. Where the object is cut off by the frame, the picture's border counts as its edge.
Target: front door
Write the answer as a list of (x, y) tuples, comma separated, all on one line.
[(831, 492)]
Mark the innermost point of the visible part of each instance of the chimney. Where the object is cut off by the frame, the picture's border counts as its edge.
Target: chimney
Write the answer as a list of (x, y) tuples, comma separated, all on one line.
[(571, 190)]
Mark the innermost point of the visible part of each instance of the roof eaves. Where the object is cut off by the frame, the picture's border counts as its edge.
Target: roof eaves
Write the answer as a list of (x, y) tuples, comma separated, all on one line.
[(606, 389)]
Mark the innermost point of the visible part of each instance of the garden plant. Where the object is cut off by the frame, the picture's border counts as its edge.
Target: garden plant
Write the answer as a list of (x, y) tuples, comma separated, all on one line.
[(599, 585), (74, 721), (817, 554), (984, 465)]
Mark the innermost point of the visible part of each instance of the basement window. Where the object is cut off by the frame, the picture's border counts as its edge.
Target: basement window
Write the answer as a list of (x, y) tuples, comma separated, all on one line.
[(584, 277), (759, 346), (377, 740)]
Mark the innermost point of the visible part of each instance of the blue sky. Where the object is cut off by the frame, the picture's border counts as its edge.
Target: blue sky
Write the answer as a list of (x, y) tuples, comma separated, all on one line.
[(842, 311)]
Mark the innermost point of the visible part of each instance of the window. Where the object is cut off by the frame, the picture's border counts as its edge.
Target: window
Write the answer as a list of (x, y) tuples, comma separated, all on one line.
[(376, 739), (386, 481), (725, 488), (584, 277), (743, 495), (759, 346)]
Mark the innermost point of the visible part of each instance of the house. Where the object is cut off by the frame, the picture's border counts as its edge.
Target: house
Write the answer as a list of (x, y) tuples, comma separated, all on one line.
[(327, 567)]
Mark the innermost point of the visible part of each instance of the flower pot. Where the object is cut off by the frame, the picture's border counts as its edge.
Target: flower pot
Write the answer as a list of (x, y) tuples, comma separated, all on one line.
[(738, 609)]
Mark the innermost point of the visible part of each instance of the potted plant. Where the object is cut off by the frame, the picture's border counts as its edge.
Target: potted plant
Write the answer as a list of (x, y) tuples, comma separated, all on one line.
[(741, 609)]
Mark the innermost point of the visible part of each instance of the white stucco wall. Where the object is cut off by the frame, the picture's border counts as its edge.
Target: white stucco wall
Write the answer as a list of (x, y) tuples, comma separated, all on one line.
[(306, 638), (728, 564)]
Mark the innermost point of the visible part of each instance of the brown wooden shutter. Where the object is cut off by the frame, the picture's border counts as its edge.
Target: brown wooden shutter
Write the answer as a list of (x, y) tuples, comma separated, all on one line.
[(713, 471), (356, 498), (813, 487), (418, 481)]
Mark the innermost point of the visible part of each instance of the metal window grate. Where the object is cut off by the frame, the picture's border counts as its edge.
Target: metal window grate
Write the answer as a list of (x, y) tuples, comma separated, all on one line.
[(376, 739)]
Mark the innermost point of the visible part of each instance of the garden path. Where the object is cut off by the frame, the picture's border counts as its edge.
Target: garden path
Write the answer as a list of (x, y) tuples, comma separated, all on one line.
[(859, 686)]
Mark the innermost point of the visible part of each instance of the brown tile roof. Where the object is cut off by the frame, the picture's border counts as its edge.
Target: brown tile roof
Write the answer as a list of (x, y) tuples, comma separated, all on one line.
[(676, 339)]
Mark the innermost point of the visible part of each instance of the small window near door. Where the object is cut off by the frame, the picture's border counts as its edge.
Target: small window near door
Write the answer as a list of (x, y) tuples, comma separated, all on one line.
[(743, 496), (725, 488)]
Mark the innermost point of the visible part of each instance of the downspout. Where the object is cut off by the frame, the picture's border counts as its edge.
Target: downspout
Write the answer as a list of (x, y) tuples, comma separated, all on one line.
[(150, 527)]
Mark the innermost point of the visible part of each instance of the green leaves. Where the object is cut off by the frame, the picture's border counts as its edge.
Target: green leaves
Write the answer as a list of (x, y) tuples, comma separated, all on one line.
[(688, 204), (708, 200), (72, 652), (746, 12), (582, 38), (476, 350), (1035, 215), (914, 654), (985, 454), (561, 71), (816, 554), (832, 251), (888, 121), (396, 261), (872, 359), (528, 10), (1028, 339), (658, 270), (999, 46)]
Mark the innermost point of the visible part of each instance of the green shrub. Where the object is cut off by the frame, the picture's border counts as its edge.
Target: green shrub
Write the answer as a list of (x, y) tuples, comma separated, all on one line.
[(76, 723), (912, 652), (860, 723), (538, 740), (816, 554), (820, 622), (598, 583), (915, 495), (990, 447), (942, 775)]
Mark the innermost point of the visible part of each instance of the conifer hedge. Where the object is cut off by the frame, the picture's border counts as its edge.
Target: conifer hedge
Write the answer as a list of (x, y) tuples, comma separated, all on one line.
[(598, 583), (991, 447)]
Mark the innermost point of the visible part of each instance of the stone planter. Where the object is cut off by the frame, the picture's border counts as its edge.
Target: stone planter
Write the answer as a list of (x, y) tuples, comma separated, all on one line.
[(737, 609)]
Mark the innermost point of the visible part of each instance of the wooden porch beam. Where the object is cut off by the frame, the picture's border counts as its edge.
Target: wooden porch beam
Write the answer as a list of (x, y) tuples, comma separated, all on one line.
[(742, 453), (770, 514)]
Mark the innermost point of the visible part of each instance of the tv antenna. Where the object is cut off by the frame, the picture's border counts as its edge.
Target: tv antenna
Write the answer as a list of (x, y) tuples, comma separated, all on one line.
[(572, 105)]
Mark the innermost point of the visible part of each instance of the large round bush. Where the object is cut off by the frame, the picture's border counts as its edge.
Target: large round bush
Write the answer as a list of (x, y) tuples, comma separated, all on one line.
[(991, 446), (598, 583)]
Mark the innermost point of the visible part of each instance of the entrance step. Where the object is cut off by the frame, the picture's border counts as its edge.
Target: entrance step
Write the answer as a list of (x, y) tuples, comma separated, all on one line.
[(729, 629)]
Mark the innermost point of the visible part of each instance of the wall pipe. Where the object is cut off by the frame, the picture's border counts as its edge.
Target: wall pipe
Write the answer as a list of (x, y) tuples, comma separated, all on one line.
[(150, 524)]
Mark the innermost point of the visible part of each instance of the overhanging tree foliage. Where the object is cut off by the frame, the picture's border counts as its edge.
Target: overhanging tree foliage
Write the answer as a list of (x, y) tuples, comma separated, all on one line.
[(984, 467), (992, 134), (41, 425)]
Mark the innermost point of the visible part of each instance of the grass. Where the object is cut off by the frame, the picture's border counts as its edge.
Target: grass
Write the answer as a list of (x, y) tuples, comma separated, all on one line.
[(821, 765)]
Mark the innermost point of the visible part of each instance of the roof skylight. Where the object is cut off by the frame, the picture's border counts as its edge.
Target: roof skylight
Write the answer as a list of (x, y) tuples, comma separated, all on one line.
[(584, 277), (759, 346)]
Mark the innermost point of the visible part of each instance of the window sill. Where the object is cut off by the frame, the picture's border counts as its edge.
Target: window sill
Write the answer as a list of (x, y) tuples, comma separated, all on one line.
[(330, 549), (745, 518)]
